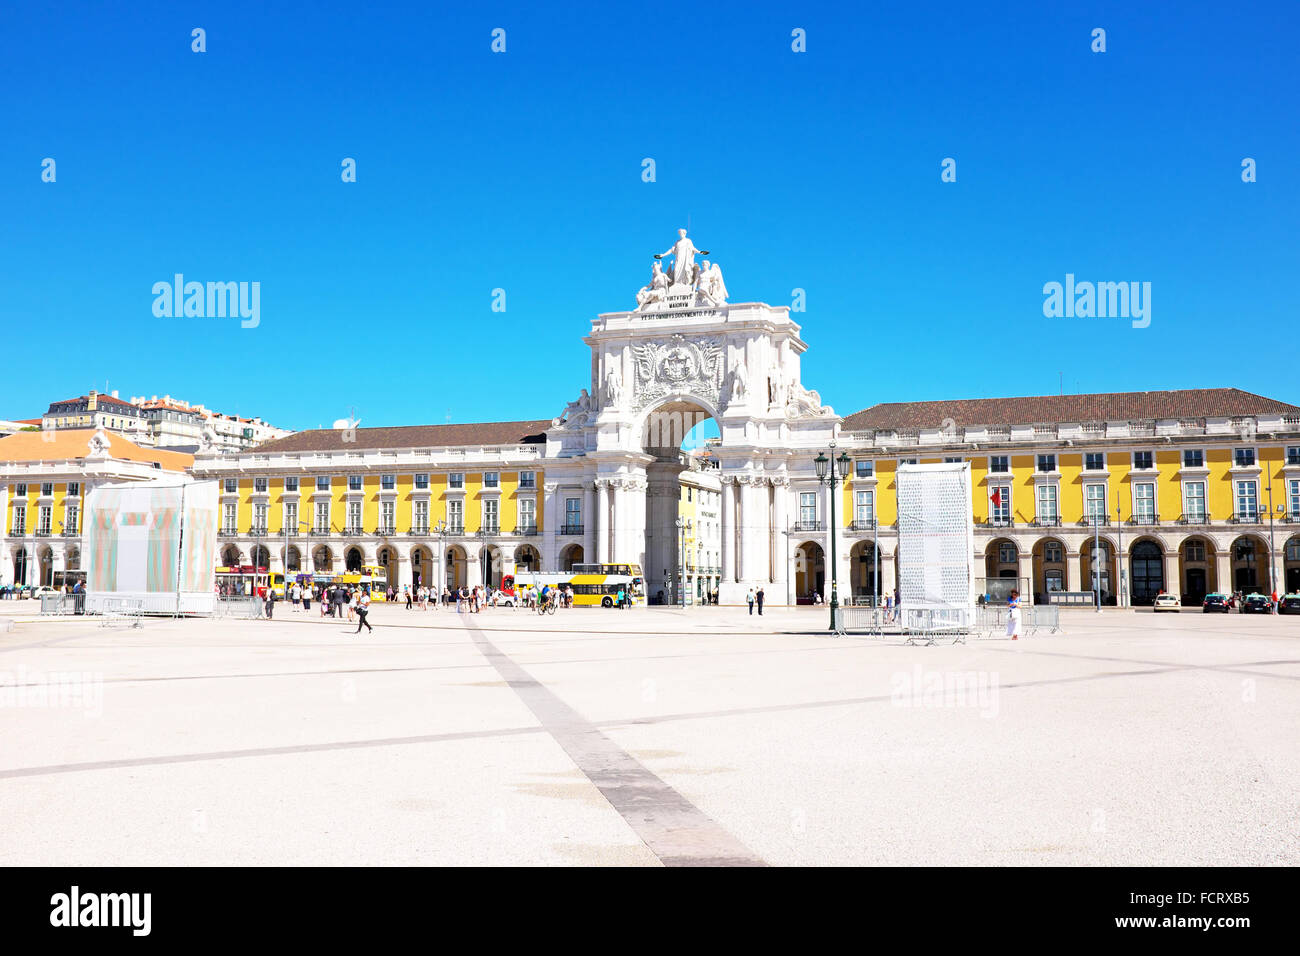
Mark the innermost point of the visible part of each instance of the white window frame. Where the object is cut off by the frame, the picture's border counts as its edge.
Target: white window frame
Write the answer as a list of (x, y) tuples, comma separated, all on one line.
[(1189, 499)]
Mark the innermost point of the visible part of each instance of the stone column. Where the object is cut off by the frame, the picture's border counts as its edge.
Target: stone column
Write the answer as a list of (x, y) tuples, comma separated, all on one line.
[(550, 538), (888, 577), (622, 543), (634, 517), (588, 522), (1223, 570), (1074, 571), (473, 569), (600, 521), (780, 522), (728, 529), (1173, 584), (1025, 572)]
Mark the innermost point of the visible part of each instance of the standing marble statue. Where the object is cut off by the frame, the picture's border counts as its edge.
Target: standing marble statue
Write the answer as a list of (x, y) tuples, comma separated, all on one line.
[(683, 253), (739, 383), (613, 387)]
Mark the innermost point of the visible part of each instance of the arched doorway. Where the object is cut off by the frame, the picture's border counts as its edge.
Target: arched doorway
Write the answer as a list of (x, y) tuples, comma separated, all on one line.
[(261, 557), (45, 561), (1049, 568), (675, 433), (1096, 567), (527, 559), (490, 566), (386, 556), (20, 566), (570, 556), (352, 560), (423, 570), (1001, 560), (230, 557), (1197, 569), (1291, 565), (322, 560), (809, 572), (293, 559), (1146, 572), (1249, 564), (864, 572), (456, 566)]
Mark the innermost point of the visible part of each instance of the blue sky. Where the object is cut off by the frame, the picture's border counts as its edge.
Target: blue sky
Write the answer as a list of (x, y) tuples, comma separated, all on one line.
[(522, 171)]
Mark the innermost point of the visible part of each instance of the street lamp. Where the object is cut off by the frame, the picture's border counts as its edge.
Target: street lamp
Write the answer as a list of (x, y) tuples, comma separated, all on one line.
[(1123, 567), (440, 529), (832, 477), (1272, 581), (683, 529)]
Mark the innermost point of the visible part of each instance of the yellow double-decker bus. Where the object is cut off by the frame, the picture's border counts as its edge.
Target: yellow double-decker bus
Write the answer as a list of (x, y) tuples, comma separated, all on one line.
[(597, 585)]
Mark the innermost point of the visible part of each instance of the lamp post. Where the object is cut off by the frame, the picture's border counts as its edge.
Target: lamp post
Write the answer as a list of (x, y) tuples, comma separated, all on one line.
[(1096, 558), (1272, 581), (440, 529), (683, 529), (831, 477), (1123, 569)]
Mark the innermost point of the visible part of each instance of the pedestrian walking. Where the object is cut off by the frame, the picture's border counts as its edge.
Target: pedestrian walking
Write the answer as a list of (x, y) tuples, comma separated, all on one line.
[(406, 592), (363, 607), (758, 599), (749, 599), (1013, 615)]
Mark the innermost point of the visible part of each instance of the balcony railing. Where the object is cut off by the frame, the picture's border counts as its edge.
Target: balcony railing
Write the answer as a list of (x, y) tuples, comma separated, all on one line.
[(387, 530), (420, 530), (319, 532), (1147, 520), (1046, 521), (70, 532), (1000, 522), (457, 529), (867, 524), (809, 526), (489, 531), (354, 530), (1090, 520), (1194, 519), (227, 533), (258, 531), (18, 531), (526, 530), (43, 532), (1244, 519), (570, 529)]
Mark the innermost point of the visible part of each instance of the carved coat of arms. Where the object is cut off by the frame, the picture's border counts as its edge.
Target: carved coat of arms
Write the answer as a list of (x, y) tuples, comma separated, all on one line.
[(677, 365)]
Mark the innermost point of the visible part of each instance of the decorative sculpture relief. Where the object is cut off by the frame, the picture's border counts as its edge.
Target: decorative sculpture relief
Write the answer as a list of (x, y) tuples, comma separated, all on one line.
[(687, 284), (677, 365)]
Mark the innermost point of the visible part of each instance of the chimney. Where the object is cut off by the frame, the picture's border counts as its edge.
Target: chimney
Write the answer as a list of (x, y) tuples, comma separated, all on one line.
[(114, 393)]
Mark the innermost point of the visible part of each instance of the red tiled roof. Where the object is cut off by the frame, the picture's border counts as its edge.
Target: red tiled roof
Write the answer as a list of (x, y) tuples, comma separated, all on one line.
[(100, 399), (411, 436), (1046, 409)]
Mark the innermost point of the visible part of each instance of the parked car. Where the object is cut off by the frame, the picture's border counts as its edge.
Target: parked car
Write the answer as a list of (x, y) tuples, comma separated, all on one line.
[(43, 589), (1214, 601), (1290, 604), (1256, 604), (1167, 602)]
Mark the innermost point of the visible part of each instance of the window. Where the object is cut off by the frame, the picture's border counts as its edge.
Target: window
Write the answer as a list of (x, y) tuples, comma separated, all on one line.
[(1243, 457), (907, 461), (954, 459), (491, 515), (1193, 458), (572, 513), (1094, 500), (1006, 553), (323, 483), (1194, 551), (527, 515), (1053, 553), (1094, 461), (1047, 463), (354, 517), (808, 509), (491, 479), (20, 519), (456, 516), (259, 517), (421, 482), (228, 518), (259, 485), (1000, 504), (528, 479), (70, 516), (1047, 511), (47, 489), (420, 520), (387, 482), (1293, 454), (864, 510), (999, 464), (232, 485), (291, 484), (1194, 500), (387, 517), (291, 517), (1294, 494), (1246, 500), (1142, 460), (322, 523), (74, 489), (864, 468), (20, 491), (456, 480), (1144, 502), (43, 517), (354, 482)]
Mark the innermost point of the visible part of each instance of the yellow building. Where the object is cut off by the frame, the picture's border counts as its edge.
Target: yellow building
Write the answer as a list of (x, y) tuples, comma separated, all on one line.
[(44, 478), (457, 504), (1182, 491)]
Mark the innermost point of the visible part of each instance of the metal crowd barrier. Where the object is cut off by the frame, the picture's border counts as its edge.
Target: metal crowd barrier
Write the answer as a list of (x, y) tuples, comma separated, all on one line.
[(240, 607), (124, 612), (859, 620), (928, 624), (991, 619)]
